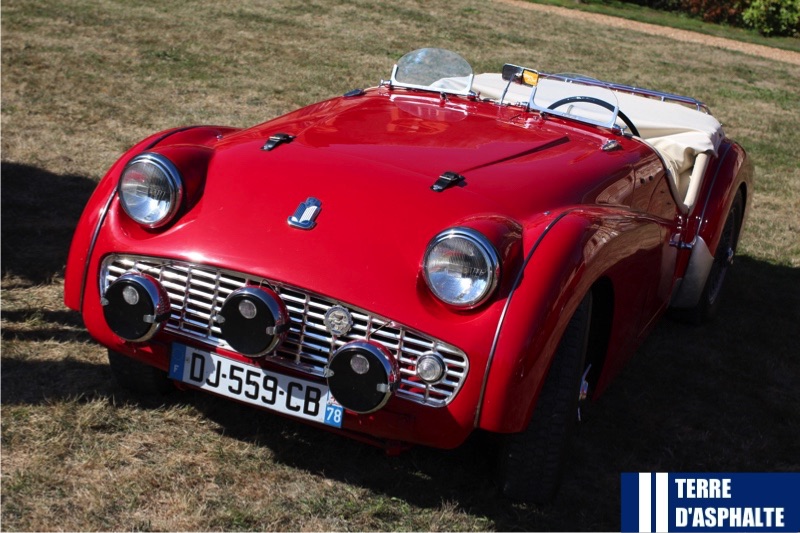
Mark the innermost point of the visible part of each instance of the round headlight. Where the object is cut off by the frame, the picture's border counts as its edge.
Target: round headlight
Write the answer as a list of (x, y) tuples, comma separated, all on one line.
[(150, 189), (461, 267)]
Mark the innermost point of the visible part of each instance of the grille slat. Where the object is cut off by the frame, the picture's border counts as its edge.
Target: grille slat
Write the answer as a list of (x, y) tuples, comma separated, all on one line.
[(197, 292)]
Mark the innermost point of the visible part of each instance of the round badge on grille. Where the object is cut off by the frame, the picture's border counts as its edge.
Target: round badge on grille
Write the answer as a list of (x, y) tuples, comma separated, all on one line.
[(338, 320)]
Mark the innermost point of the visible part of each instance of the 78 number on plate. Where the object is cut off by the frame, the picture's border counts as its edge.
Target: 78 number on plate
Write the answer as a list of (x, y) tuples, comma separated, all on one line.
[(334, 415)]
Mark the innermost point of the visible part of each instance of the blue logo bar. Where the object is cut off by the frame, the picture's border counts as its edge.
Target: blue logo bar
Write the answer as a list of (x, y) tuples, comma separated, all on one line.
[(662, 502)]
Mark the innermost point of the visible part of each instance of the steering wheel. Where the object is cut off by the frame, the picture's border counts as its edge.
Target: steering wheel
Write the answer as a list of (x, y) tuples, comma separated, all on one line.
[(596, 101)]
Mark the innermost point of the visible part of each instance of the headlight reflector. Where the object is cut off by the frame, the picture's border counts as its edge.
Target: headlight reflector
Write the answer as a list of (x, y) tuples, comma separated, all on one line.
[(150, 189), (461, 267)]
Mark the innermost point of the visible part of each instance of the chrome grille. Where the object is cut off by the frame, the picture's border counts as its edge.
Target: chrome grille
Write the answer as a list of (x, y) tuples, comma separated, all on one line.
[(197, 292)]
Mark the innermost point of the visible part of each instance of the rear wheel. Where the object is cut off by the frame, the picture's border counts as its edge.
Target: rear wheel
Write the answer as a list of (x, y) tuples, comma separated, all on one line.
[(531, 461), (708, 306), (138, 377)]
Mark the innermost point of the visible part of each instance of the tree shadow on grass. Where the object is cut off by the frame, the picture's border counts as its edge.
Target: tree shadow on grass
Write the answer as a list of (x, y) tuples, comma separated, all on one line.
[(39, 212), (42, 325)]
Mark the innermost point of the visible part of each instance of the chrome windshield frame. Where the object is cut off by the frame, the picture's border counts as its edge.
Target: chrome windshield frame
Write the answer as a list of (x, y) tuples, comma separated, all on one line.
[(466, 92)]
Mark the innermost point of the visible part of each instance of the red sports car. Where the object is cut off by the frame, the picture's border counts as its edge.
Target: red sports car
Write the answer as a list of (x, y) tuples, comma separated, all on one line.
[(406, 264)]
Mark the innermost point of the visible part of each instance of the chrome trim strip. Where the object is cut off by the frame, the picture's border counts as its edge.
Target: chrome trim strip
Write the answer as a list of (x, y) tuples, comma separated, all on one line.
[(638, 91), (92, 244), (722, 157), (517, 282)]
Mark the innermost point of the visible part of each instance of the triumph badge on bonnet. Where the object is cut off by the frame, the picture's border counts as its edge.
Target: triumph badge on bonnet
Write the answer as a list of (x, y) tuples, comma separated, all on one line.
[(306, 214)]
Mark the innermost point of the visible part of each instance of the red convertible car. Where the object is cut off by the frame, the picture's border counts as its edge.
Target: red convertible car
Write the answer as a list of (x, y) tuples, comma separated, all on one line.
[(408, 263)]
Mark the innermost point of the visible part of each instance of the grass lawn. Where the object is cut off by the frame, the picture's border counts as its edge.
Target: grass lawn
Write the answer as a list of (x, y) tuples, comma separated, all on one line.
[(83, 80)]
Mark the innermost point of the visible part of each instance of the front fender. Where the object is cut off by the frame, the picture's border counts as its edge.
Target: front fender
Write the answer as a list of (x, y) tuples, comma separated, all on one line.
[(569, 256), (96, 208), (546, 294)]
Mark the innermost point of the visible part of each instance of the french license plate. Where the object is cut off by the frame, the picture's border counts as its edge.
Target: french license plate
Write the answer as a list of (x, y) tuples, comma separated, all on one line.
[(250, 384)]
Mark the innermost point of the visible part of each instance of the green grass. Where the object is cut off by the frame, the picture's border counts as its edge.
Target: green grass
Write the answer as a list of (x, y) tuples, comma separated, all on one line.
[(85, 79), (683, 21)]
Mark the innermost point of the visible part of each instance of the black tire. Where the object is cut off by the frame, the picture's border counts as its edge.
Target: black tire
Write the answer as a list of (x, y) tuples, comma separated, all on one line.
[(708, 306), (531, 462), (137, 377)]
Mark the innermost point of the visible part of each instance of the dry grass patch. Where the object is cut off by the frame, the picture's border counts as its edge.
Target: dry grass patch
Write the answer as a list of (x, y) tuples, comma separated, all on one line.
[(85, 79)]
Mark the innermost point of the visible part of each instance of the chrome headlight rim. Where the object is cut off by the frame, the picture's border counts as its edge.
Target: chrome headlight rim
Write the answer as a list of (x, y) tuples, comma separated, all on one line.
[(173, 180), (155, 306), (345, 381), (253, 337), (489, 254)]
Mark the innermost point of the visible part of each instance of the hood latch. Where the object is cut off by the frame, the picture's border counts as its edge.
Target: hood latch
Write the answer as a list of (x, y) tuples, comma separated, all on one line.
[(447, 180), (276, 140)]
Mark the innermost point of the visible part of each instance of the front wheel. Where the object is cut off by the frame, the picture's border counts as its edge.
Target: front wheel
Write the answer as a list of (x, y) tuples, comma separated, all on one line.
[(531, 461)]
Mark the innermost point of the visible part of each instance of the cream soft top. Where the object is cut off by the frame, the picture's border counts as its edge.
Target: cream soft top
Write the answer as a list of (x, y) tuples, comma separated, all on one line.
[(684, 137)]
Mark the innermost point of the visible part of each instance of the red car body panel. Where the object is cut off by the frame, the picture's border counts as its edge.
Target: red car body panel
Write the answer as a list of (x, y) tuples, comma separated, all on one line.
[(564, 215)]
